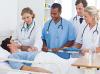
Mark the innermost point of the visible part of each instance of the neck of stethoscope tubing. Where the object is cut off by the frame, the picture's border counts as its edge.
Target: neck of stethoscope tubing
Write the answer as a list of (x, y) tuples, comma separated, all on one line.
[(93, 31), (31, 29), (50, 23)]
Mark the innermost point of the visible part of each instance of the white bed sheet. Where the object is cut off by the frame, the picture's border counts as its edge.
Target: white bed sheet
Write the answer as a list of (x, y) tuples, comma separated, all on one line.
[(49, 61), (57, 65), (6, 69), (52, 63)]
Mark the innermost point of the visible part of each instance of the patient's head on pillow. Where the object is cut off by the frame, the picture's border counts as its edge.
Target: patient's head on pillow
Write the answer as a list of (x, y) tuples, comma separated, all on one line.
[(4, 44)]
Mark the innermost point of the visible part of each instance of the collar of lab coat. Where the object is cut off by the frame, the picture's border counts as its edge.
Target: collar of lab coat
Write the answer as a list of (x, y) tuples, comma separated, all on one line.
[(90, 39), (78, 17), (31, 25)]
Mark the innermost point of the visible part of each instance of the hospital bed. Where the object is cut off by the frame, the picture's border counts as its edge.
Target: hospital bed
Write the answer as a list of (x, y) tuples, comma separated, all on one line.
[(4, 66), (56, 67)]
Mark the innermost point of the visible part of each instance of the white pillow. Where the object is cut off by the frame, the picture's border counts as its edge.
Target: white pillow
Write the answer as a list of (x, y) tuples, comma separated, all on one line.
[(4, 53)]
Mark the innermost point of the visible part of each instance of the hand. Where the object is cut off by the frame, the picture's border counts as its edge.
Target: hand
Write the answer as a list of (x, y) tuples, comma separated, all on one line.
[(55, 49), (45, 49), (98, 50), (32, 49)]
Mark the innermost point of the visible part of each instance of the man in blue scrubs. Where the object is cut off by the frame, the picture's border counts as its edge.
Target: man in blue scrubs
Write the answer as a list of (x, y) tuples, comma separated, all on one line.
[(57, 32)]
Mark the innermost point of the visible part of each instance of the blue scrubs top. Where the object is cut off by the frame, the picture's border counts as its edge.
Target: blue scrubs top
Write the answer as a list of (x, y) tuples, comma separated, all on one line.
[(57, 37)]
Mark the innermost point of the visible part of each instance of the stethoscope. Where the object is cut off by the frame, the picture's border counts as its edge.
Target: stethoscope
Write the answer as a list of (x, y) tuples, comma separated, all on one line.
[(75, 18), (60, 26), (24, 29), (96, 30)]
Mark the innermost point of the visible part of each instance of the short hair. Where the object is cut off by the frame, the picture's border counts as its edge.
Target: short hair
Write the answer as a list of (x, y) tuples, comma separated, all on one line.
[(56, 5), (84, 2), (27, 10), (4, 44), (93, 11)]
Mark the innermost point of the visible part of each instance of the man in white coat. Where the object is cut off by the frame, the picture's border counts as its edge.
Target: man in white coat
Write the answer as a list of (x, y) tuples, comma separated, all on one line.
[(78, 20)]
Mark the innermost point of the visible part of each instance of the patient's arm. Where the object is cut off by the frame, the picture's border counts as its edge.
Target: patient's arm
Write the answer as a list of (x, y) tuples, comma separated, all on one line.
[(24, 65), (35, 69), (24, 48)]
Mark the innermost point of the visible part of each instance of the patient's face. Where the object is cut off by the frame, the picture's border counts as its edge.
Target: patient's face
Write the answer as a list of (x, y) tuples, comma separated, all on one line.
[(13, 48)]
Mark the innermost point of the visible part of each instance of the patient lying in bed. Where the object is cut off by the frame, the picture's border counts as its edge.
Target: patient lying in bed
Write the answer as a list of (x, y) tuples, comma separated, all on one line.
[(7, 48), (52, 61), (54, 64)]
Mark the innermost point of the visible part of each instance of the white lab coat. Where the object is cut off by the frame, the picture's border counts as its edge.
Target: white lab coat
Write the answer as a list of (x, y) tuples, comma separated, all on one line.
[(23, 37), (78, 27), (90, 39)]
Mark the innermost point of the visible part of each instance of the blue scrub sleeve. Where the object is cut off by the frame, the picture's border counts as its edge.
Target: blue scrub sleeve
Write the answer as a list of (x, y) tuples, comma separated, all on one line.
[(43, 34), (71, 32), (44, 31)]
